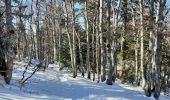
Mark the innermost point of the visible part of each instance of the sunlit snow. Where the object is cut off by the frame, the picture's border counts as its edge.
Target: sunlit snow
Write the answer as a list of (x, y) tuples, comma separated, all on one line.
[(54, 84)]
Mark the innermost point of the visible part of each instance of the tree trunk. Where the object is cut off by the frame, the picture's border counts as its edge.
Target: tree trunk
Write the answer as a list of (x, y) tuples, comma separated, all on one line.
[(151, 64), (59, 44), (158, 41), (18, 44), (9, 51), (87, 40), (109, 43), (82, 69), (136, 46), (74, 41), (68, 35), (97, 45), (93, 50), (54, 40), (141, 43), (136, 62), (103, 64), (37, 31)]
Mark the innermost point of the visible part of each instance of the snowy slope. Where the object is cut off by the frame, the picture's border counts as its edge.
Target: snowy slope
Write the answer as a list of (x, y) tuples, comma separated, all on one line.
[(59, 85)]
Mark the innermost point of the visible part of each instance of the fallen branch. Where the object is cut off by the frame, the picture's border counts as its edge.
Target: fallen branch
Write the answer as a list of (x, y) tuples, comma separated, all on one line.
[(31, 74), (23, 79), (23, 74)]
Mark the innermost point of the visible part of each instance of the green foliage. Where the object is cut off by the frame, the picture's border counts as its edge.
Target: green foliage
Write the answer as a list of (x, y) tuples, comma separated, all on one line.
[(64, 65), (64, 53), (127, 74), (62, 23), (120, 55)]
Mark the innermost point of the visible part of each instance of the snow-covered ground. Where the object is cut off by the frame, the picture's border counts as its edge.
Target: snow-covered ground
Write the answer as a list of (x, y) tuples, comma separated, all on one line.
[(59, 85)]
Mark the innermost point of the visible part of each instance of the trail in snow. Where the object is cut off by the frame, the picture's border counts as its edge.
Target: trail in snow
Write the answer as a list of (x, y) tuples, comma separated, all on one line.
[(59, 85)]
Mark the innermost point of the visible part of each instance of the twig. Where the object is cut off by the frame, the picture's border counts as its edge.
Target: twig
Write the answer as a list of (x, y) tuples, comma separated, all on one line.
[(31, 74), (23, 74)]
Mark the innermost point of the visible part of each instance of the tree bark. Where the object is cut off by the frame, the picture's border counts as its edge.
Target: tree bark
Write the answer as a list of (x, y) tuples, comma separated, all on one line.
[(69, 37), (9, 51), (97, 45), (74, 41), (158, 41), (87, 40), (103, 64), (141, 44), (82, 69), (136, 46), (93, 50), (151, 63)]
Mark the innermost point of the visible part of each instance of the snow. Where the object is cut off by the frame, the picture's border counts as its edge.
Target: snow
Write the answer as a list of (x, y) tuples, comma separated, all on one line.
[(54, 84), (35, 61)]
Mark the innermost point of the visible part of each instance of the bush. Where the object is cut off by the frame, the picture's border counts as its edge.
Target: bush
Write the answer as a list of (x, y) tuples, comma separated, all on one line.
[(127, 72)]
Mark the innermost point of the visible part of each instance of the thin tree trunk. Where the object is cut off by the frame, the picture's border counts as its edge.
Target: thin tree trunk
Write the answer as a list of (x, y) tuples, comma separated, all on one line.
[(136, 46), (141, 44), (158, 41), (109, 43), (9, 51), (59, 44), (24, 38), (74, 41), (103, 64), (87, 40), (18, 42), (69, 37), (37, 37), (54, 40), (136, 62), (97, 46), (80, 54), (151, 63), (93, 50)]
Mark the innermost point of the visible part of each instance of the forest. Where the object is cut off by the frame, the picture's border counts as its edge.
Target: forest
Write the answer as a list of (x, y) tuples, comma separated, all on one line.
[(101, 40)]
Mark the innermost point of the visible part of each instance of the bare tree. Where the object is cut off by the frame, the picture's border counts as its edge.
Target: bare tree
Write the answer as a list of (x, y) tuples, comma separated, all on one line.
[(141, 43), (87, 40), (10, 46)]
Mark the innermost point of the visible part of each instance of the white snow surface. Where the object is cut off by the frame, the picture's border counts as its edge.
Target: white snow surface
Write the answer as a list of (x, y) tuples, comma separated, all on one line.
[(54, 84), (35, 61)]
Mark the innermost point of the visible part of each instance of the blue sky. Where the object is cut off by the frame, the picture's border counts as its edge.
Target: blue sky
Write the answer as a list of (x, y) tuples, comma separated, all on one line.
[(168, 3)]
